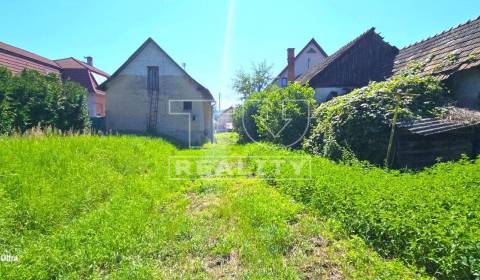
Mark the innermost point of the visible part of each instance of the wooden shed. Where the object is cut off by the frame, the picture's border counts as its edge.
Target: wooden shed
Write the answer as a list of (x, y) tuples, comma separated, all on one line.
[(424, 142)]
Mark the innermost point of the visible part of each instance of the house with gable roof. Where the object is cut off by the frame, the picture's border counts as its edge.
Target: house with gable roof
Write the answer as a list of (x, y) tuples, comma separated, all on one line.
[(151, 93), (311, 54), (367, 58)]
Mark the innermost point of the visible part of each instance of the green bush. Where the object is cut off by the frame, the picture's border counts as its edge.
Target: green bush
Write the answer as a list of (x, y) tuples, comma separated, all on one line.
[(243, 121), (276, 115), (361, 120), (32, 99), (6, 116)]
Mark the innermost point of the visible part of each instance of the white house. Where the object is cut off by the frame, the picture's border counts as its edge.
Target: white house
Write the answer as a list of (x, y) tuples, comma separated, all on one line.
[(309, 56), (151, 93)]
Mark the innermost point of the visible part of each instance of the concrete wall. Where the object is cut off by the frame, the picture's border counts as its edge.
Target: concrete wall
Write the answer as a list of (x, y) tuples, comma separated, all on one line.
[(127, 101), (465, 85)]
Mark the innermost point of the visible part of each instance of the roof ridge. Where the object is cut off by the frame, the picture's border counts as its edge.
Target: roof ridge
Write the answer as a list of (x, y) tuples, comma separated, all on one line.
[(441, 33)]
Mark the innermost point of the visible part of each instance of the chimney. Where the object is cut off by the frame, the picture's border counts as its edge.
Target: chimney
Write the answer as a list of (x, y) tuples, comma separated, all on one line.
[(89, 60), (291, 64)]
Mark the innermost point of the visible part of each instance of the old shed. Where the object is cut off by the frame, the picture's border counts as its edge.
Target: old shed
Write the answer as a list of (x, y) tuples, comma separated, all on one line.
[(424, 142)]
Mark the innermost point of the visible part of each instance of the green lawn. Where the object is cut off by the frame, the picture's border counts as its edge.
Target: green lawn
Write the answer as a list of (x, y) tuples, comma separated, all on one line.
[(105, 207)]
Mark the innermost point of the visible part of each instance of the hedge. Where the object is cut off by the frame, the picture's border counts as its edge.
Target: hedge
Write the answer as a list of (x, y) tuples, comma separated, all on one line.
[(32, 99)]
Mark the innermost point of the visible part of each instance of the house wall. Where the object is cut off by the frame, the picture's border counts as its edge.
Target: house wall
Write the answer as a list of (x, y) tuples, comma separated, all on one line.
[(322, 94), (303, 61), (127, 100), (92, 104), (465, 85), (417, 151)]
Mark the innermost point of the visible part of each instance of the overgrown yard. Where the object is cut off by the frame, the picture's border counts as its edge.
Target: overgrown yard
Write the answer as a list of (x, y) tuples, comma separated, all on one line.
[(105, 207)]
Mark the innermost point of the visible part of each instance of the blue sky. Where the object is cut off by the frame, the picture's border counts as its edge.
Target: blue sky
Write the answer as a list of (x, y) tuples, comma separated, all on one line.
[(200, 34)]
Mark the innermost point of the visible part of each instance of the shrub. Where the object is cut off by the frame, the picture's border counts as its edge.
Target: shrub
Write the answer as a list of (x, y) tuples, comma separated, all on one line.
[(33, 99), (360, 121), (6, 116), (243, 121), (277, 115), (284, 114)]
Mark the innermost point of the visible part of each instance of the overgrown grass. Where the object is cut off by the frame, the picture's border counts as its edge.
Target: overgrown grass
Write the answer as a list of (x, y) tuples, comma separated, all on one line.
[(103, 207), (430, 219)]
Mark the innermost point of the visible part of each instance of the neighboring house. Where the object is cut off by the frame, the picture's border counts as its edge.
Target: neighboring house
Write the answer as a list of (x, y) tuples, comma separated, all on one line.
[(309, 56), (365, 59), (151, 93), (225, 120), (454, 57), (90, 78), (16, 60)]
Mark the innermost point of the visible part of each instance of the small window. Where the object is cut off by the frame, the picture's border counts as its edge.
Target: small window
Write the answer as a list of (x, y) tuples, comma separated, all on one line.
[(332, 95), (187, 105), (283, 82)]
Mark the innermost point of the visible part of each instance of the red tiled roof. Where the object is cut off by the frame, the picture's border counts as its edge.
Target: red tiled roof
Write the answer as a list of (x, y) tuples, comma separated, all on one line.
[(73, 63), (16, 59)]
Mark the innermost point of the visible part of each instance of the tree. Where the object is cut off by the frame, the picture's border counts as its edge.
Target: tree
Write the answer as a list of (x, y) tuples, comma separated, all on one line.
[(247, 83)]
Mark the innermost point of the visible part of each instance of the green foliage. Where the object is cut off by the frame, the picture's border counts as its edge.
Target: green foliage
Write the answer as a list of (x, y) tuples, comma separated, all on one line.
[(260, 77), (33, 99), (6, 114), (360, 121), (284, 114), (277, 115), (91, 207), (243, 118), (429, 219)]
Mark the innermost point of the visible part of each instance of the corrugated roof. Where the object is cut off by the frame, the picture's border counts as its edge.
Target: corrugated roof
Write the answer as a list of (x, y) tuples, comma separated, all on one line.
[(431, 126), (443, 54)]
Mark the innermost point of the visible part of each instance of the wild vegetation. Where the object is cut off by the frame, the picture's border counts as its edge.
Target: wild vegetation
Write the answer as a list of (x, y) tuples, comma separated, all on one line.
[(430, 218), (360, 122), (32, 99), (277, 115), (104, 207)]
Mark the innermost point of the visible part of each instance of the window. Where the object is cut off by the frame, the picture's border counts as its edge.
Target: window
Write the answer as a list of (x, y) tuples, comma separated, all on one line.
[(283, 82), (332, 95), (187, 105), (153, 83)]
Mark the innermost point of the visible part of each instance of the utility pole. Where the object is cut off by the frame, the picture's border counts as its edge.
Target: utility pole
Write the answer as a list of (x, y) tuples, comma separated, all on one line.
[(219, 102)]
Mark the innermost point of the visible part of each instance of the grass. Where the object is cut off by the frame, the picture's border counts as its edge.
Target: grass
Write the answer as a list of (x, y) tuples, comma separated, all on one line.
[(430, 219), (93, 207)]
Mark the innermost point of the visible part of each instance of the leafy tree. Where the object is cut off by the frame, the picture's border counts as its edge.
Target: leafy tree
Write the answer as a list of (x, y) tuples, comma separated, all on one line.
[(277, 115), (284, 114), (247, 83)]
